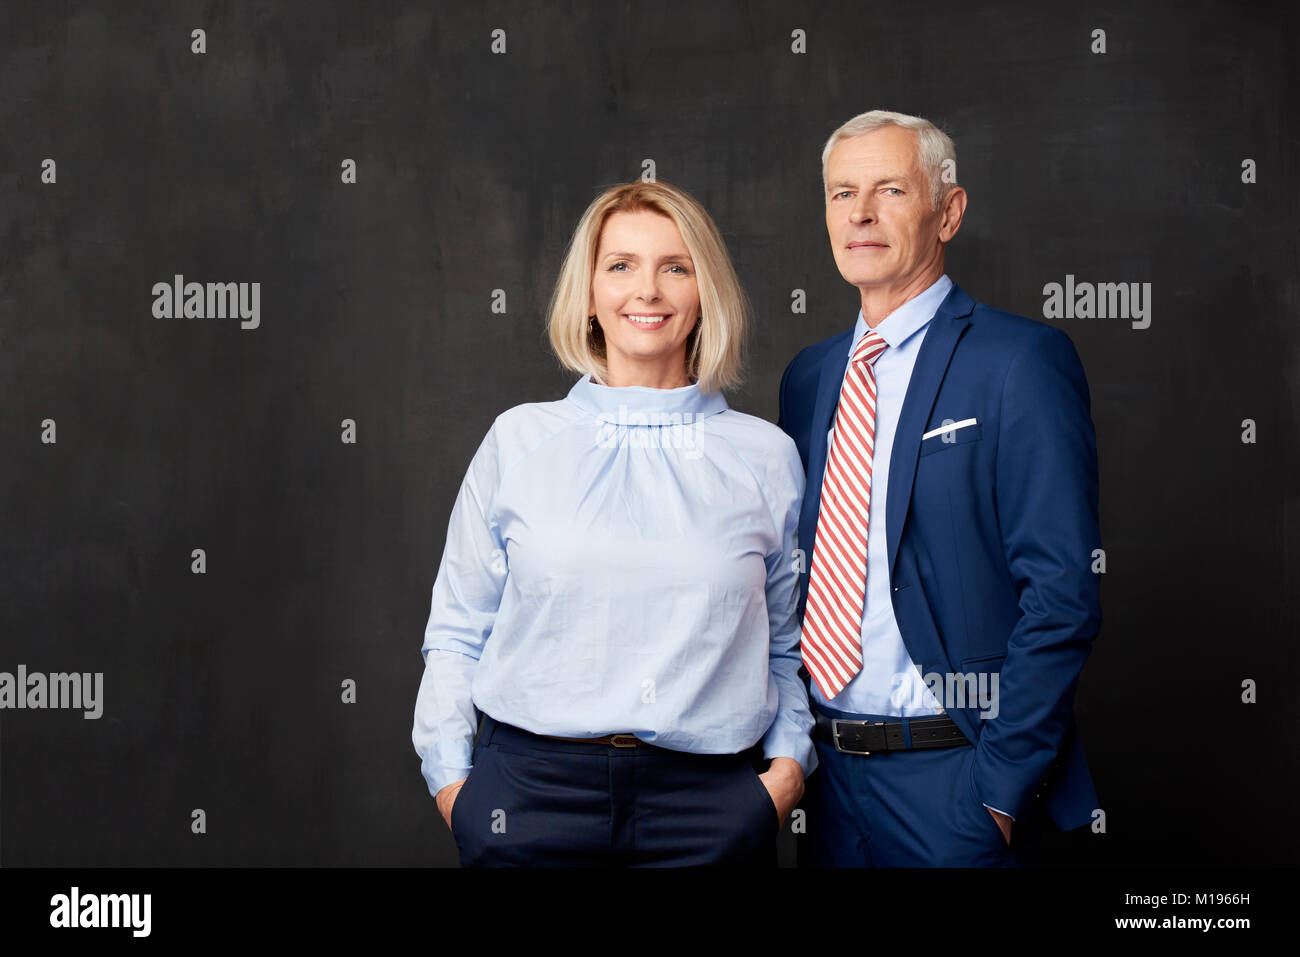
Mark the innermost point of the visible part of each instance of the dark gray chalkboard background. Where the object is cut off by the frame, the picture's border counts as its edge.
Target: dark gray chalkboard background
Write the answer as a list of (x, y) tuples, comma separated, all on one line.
[(222, 691)]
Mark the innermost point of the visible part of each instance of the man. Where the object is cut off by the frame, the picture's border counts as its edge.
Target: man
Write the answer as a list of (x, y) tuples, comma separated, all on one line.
[(950, 519)]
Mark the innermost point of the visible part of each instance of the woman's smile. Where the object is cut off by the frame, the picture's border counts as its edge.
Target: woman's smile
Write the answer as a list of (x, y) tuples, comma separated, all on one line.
[(642, 320)]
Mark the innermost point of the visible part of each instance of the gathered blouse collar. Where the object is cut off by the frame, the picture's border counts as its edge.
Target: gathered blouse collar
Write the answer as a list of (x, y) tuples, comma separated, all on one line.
[(634, 405)]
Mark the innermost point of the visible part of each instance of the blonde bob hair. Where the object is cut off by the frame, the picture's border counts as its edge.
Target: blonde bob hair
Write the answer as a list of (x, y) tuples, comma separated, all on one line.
[(714, 348)]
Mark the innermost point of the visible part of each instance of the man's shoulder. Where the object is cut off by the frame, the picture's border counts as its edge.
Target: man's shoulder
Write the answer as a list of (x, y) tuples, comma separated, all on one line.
[(998, 326), (807, 362), (1004, 344)]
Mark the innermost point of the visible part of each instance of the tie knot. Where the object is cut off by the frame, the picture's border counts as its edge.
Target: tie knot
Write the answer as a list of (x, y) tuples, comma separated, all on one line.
[(869, 348)]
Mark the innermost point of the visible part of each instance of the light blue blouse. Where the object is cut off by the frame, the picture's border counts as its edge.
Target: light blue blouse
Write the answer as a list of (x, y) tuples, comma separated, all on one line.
[(620, 560)]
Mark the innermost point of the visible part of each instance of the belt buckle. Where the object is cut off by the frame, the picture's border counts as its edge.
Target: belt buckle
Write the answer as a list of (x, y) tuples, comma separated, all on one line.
[(624, 740), (835, 734)]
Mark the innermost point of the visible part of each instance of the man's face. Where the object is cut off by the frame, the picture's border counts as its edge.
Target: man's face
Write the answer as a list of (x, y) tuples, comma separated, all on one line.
[(882, 230)]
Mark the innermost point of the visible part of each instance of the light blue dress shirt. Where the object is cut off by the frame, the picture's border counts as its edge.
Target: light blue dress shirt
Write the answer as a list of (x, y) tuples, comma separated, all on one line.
[(620, 560), (889, 682)]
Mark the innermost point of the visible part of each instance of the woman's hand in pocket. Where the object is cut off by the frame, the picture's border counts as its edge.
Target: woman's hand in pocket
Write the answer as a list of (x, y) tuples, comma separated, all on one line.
[(784, 781), (446, 798)]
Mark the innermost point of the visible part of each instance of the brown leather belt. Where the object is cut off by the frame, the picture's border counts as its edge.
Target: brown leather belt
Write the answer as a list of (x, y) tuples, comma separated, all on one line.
[(615, 740)]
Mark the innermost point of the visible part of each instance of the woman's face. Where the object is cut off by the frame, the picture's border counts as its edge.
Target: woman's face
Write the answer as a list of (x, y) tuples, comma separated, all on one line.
[(645, 297)]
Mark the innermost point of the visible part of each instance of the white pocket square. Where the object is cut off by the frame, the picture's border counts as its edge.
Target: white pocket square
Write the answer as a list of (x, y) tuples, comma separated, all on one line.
[(951, 427)]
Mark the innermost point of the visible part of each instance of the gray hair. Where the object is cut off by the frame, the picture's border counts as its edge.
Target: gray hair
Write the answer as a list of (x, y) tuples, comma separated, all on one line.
[(933, 148)]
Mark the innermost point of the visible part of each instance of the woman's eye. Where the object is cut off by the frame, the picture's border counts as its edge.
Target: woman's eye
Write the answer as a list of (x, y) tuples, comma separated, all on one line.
[(679, 266), (614, 267)]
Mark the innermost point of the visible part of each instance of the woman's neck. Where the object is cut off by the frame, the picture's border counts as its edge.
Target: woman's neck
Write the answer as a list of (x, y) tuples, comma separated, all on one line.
[(648, 378)]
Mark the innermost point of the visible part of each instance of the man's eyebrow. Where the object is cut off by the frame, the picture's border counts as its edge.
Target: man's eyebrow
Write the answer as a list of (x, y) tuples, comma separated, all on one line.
[(877, 184)]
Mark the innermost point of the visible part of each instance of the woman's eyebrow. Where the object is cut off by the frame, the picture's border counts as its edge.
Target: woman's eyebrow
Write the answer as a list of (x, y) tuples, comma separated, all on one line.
[(685, 256)]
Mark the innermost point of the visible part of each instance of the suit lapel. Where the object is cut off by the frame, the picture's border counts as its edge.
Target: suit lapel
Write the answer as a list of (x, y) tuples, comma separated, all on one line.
[(828, 393), (950, 320)]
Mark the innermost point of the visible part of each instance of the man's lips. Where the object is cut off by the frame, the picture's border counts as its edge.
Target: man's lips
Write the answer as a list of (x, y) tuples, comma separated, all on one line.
[(867, 244)]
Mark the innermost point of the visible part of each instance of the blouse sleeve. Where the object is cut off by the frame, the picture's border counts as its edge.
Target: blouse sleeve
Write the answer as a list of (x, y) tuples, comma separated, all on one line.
[(466, 595), (790, 735)]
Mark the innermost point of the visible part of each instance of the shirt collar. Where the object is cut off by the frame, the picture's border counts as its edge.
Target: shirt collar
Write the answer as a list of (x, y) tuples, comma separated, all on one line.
[(909, 318), (642, 405)]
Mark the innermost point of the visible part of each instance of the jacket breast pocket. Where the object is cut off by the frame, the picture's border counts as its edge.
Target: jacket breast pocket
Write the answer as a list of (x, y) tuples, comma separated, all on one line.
[(986, 662), (951, 439)]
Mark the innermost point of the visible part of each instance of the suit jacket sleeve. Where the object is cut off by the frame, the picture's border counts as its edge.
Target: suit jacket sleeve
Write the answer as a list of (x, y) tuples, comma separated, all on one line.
[(780, 399), (1046, 497)]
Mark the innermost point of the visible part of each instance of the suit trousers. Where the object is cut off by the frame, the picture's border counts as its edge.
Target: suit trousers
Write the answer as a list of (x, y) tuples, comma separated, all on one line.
[(531, 801), (898, 809)]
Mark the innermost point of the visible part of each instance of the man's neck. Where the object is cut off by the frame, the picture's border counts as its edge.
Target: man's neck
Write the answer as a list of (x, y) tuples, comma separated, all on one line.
[(878, 302)]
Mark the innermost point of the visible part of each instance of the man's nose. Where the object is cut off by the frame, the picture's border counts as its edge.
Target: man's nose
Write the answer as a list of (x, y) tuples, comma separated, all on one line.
[(863, 211)]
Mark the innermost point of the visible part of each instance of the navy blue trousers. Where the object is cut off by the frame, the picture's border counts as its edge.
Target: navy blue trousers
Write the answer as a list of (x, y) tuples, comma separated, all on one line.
[(898, 809), (530, 801)]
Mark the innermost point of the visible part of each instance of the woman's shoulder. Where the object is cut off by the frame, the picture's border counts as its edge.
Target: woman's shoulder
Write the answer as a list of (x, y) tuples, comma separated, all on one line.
[(754, 430), (555, 412), (523, 428), (756, 438)]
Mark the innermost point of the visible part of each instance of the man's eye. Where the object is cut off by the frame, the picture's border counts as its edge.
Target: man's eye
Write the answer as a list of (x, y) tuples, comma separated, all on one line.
[(844, 193), (894, 189)]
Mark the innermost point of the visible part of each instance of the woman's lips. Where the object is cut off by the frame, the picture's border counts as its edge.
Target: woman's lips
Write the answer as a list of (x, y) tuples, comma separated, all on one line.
[(659, 324)]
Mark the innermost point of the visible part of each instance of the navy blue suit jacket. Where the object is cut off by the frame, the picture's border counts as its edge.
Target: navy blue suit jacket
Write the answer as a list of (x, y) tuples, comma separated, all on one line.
[(990, 536)]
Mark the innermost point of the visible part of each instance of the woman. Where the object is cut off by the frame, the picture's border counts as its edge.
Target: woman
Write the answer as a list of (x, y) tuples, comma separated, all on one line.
[(617, 593)]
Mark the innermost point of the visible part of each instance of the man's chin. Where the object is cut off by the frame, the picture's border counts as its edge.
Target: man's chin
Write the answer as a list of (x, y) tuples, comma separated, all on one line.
[(870, 281)]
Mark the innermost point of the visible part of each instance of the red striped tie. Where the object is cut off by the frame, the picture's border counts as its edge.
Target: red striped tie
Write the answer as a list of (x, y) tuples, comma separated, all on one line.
[(837, 586)]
